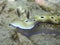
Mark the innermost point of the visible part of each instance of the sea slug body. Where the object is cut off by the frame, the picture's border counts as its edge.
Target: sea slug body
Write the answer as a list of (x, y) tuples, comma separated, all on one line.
[(55, 19), (22, 25), (29, 24)]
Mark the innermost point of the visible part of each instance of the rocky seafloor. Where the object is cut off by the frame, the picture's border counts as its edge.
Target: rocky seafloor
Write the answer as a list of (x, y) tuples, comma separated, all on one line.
[(10, 35)]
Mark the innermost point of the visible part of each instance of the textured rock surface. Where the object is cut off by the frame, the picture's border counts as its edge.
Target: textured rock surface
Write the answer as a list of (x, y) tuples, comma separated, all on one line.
[(45, 39), (8, 36)]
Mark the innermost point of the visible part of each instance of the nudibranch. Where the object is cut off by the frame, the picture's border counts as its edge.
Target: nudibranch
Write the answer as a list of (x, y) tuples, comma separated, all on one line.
[(26, 24), (54, 19), (29, 24)]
